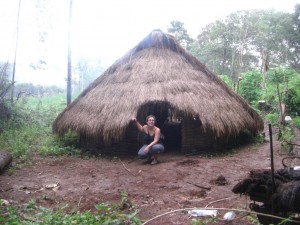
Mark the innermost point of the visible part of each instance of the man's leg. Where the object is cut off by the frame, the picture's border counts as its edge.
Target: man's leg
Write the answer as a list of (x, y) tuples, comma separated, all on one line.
[(155, 150), (141, 152)]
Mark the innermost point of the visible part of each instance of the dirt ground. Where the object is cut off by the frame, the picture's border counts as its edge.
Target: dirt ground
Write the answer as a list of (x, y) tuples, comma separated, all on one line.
[(154, 189)]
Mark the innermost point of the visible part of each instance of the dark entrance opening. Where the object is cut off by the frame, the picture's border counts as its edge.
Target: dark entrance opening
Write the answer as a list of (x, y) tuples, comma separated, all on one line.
[(171, 130), (172, 133)]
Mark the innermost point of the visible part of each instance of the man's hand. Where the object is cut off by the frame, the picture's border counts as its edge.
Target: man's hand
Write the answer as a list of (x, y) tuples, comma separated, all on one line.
[(146, 150)]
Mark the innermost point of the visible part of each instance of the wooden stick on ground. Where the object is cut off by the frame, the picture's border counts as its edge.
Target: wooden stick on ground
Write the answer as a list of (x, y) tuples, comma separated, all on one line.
[(219, 200), (206, 188), (127, 169)]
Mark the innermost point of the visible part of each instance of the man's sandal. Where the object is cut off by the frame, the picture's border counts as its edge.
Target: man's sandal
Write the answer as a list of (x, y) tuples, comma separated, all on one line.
[(154, 162)]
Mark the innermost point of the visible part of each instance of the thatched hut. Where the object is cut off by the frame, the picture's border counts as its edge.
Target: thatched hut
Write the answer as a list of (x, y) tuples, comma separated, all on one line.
[(194, 108)]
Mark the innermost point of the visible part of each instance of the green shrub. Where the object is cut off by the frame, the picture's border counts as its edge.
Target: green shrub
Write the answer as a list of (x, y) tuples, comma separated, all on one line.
[(284, 83), (296, 121), (259, 138), (19, 140), (55, 146), (250, 86), (109, 214), (30, 128), (226, 79), (285, 136), (272, 118)]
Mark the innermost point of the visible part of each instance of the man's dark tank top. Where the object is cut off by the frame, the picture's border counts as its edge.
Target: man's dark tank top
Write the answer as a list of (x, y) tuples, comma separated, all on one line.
[(148, 138)]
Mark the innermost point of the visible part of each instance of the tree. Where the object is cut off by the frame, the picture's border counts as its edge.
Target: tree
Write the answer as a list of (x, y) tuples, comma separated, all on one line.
[(43, 18), (180, 33), (210, 47), (250, 86), (281, 83), (69, 78), (87, 71), (270, 37), (294, 39), (224, 45), (15, 56), (5, 86), (247, 40)]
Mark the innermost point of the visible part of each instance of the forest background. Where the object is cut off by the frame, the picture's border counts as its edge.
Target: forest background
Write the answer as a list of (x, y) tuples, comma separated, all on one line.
[(256, 52)]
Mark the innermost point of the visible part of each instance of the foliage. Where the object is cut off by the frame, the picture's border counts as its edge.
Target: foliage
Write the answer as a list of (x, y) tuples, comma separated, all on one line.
[(88, 71), (204, 221), (252, 219), (180, 33), (285, 136), (259, 138), (109, 214), (272, 118), (293, 97), (283, 85), (19, 139), (43, 23), (235, 43), (30, 128), (296, 121), (293, 39), (28, 89), (227, 80), (5, 87), (56, 146), (250, 86)]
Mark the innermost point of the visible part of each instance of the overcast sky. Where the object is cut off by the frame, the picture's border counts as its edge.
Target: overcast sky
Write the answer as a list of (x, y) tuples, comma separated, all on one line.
[(106, 29)]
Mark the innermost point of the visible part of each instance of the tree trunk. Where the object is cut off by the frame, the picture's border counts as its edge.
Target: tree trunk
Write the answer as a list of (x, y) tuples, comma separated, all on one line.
[(232, 66), (69, 79), (241, 49), (264, 68), (224, 60), (15, 58)]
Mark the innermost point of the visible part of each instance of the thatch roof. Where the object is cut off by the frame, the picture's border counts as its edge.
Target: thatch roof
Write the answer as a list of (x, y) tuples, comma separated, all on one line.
[(159, 70)]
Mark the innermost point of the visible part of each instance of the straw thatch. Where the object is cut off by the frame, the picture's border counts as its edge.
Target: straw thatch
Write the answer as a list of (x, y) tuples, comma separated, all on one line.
[(285, 195), (157, 76)]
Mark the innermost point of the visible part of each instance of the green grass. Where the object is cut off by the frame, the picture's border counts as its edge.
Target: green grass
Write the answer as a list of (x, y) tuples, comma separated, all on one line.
[(46, 101), (272, 118), (20, 141), (30, 128), (30, 213)]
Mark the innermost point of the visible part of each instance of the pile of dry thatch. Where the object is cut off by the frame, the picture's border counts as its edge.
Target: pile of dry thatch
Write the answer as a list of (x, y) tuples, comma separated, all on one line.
[(286, 194)]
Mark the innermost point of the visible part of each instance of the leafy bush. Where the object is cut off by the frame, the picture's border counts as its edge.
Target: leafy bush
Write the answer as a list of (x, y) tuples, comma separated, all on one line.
[(285, 136), (272, 118), (293, 97), (284, 83), (226, 79), (250, 86), (55, 146), (30, 128), (19, 141), (28, 89), (296, 121), (109, 214)]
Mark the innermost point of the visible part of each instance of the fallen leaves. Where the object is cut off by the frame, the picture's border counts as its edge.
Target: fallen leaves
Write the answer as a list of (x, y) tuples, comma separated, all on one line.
[(34, 189)]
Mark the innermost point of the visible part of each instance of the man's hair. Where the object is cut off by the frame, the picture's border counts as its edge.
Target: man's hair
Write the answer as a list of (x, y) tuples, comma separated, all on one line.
[(147, 118)]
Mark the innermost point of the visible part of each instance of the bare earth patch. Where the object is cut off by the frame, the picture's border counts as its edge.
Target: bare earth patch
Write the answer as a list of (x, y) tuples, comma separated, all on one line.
[(177, 182)]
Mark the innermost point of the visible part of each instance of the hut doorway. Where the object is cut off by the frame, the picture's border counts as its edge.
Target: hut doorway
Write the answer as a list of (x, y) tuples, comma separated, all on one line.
[(171, 130)]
